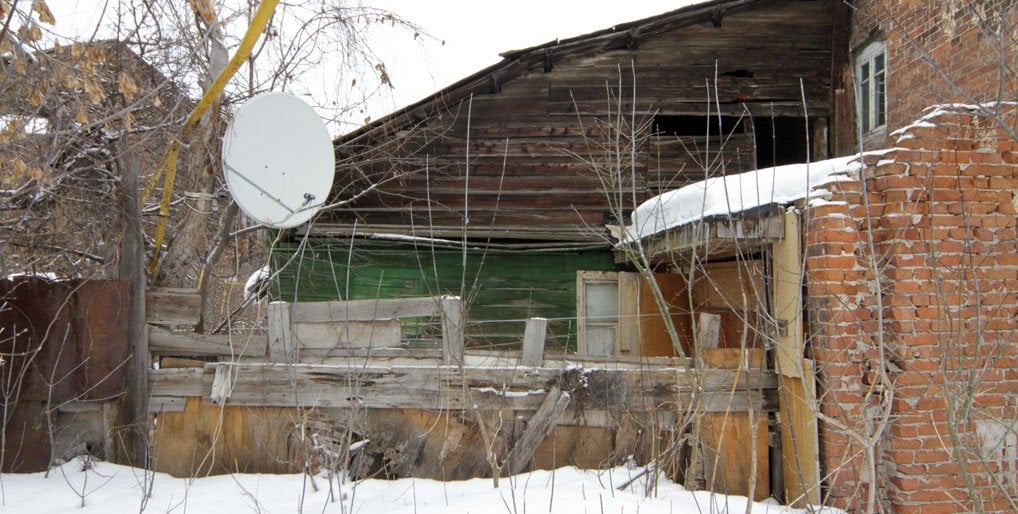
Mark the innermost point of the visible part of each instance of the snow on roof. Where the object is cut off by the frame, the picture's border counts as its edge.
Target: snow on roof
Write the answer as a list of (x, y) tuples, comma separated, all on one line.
[(738, 193)]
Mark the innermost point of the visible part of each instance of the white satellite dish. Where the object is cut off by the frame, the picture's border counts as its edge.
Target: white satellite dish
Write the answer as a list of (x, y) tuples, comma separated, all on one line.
[(278, 160)]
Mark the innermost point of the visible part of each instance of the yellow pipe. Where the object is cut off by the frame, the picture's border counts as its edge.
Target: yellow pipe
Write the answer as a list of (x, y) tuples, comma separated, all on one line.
[(258, 23)]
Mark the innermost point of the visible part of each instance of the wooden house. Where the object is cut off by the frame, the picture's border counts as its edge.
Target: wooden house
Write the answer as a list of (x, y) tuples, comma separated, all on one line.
[(501, 187)]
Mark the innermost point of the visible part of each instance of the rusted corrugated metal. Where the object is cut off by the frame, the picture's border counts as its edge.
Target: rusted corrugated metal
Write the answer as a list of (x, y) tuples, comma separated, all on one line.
[(63, 340)]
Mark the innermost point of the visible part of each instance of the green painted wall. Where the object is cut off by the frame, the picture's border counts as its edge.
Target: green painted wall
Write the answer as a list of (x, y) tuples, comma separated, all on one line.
[(502, 289)]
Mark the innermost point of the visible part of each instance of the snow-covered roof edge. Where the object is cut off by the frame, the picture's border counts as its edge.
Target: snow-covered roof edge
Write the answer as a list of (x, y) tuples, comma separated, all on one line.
[(734, 194)]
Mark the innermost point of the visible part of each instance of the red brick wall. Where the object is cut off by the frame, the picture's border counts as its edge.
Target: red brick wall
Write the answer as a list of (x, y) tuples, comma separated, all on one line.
[(919, 278), (960, 39)]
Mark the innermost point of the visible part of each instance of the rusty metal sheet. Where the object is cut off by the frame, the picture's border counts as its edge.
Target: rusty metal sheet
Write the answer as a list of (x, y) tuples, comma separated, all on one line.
[(63, 340)]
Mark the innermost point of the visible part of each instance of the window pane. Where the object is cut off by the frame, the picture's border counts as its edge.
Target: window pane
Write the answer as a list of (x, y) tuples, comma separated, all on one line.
[(880, 100), (601, 340), (602, 301), (864, 105), (878, 64)]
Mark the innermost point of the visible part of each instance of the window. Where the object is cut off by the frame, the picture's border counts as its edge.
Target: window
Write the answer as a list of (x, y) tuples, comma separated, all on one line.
[(871, 78), (597, 312)]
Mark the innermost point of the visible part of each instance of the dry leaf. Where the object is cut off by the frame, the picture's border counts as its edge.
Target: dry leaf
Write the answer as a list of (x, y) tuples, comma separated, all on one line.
[(20, 65), (81, 117), (126, 86), (19, 167), (36, 98), (156, 101), (45, 16), (95, 92), (30, 33), (11, 128), (128, 121), (204, 10), (71, 81)]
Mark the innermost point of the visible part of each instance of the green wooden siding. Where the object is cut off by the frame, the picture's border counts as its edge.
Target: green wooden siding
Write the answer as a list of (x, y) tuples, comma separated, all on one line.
[(501, 289)]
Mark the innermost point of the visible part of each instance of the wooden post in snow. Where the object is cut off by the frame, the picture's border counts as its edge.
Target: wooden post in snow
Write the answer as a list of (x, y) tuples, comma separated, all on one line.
[(131, 267)]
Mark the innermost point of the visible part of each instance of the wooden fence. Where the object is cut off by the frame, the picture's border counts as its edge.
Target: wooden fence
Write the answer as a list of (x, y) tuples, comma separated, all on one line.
[(344, 363)]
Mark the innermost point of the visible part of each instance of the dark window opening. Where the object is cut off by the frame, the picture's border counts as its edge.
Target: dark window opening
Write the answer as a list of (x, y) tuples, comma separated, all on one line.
[(742, 74), (685, 125), (780, 140)]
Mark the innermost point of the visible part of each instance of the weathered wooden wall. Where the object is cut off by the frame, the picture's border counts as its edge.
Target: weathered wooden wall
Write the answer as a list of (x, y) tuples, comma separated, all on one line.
[(538, 125)]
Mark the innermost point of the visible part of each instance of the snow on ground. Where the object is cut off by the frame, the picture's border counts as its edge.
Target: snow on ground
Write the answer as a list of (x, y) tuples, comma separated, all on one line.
[(107, 488)]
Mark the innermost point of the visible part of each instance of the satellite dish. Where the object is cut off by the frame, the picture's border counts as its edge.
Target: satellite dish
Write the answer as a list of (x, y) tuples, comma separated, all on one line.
[(278, 160)]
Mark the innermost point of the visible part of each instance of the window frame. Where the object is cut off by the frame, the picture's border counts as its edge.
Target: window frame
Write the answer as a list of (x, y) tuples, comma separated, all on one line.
[(871, 88)]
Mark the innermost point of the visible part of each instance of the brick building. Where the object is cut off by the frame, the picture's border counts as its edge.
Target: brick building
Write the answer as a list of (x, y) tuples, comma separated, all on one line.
[(912, 274)]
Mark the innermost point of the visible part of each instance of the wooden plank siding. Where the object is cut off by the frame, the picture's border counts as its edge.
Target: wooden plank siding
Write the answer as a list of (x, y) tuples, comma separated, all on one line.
[(536, 134)]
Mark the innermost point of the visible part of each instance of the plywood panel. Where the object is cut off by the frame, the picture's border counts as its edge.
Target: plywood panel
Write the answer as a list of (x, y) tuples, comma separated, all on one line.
[(210, 440), (654, 338), (736, 455)]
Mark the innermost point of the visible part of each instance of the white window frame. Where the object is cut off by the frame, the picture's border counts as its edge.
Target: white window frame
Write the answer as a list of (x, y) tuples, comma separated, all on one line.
[(871, 88)]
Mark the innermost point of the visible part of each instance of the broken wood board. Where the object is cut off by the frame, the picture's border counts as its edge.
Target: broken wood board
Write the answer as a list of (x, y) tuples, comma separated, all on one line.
[(540, 425)]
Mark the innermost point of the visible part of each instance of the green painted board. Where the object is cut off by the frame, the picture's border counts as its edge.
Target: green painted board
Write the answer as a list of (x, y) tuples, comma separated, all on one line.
[(501, 289)]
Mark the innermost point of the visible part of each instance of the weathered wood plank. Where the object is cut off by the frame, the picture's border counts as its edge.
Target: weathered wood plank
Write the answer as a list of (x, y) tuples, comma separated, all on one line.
[(723, 237), (172, 306), (452, 330), (539, 427), (366, 310), (280, 346), (449, 387), (163, 341), (799, 437), (533, 342), (708, 330), (353, 334), (787, 263), (176, 382)]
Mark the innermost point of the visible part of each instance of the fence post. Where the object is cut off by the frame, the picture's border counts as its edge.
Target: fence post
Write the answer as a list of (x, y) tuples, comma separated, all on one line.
[(452, 330), (533, 342)]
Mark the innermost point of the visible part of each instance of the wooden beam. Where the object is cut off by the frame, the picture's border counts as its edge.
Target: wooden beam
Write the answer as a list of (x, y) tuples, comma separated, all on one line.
[(533, 342), (797, 393), (787, 264), (800, 457), (131, 266), (366, 310), (163, 341), (539, 427), (447, 387), (713, 238), (172, 306)]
